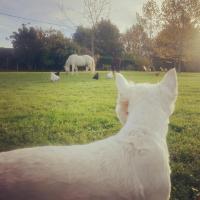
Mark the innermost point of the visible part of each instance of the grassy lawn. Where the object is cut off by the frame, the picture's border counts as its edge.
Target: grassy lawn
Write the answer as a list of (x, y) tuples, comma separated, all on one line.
[(78, 109)]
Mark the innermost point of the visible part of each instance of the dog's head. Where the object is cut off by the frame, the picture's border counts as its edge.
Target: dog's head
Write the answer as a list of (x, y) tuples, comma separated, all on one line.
[(160, 96)]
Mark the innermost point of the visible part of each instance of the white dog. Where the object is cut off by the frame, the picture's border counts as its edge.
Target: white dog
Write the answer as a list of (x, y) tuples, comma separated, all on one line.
[(54, 77), (109, 75), (131, 165)]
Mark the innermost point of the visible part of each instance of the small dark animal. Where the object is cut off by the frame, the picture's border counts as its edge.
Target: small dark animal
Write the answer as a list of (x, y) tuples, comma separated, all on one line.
[(96, 76), (57, 73)]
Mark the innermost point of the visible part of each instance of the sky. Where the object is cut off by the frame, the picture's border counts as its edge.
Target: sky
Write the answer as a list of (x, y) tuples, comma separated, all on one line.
[(63, 15)]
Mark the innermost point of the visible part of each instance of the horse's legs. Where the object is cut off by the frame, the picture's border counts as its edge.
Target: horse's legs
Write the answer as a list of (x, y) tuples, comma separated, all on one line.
[(76, 69), (68, 69), (73, 68), (87, 68)]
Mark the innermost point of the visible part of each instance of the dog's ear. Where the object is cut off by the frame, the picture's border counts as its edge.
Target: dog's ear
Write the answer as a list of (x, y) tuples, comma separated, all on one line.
[(122, 84), (122, 101), (168, 88)]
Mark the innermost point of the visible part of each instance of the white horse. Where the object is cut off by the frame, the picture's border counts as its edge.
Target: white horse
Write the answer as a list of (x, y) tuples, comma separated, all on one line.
[(76, 61)]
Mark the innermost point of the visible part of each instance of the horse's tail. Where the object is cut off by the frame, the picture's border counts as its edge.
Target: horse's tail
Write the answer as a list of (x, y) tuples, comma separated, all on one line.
[(93, 66), (67, 65)]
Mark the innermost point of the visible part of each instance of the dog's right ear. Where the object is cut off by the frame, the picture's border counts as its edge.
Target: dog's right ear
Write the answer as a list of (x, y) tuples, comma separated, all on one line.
[(122, 84), (168, 90)]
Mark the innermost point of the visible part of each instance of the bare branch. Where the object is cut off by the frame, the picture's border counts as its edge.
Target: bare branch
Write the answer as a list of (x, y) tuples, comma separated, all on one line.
[(95, 10), (63, 10)]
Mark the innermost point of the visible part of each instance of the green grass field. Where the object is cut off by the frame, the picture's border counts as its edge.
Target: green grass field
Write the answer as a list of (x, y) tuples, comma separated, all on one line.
[(78, 109)]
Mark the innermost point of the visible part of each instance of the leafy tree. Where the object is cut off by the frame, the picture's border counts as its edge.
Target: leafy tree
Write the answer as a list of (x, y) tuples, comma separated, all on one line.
[(180, 19), (95, 10), (136, 45), (108, 38), (28, 46), (150, 18), (135, 40), (150, 21), (82, 37), (57, 49), (170, 45), (36, 49)]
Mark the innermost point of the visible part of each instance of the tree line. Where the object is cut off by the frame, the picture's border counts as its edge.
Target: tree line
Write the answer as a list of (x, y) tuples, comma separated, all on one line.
[(164, 36)]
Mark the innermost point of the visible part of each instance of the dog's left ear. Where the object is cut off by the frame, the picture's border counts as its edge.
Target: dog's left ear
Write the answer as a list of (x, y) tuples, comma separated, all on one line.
[(122, 101), (168, 87), (122, 84)]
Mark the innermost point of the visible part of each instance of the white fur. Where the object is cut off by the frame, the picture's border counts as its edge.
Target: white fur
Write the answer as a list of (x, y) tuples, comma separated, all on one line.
[(75, 61), (131, 165), (109, 75), (54, 77)]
